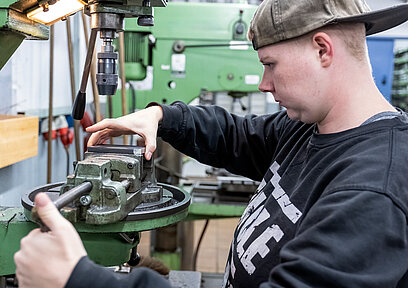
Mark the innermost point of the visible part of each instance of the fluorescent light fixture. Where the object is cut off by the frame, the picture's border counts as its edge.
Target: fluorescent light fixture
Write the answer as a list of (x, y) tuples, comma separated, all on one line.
[(56, 11)]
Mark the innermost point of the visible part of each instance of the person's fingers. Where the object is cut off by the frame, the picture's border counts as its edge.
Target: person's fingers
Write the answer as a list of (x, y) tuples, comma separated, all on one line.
[(105, 123), (48, 212), (150, 142), (96, 138), (33, 232)]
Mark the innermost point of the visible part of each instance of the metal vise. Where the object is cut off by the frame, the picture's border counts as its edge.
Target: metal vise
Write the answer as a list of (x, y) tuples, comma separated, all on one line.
[(121, 179)]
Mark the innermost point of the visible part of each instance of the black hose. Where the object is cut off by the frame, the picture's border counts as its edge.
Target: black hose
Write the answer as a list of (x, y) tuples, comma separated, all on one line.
[(199, 244), (67, 152)]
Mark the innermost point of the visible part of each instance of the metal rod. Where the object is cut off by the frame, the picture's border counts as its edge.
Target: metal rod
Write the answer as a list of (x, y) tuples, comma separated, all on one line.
[(122, 77), (73, 194), (88, 60), (63, 201), (50, 118), (110, 113), (72, 77), (67, 153), (93, 73)]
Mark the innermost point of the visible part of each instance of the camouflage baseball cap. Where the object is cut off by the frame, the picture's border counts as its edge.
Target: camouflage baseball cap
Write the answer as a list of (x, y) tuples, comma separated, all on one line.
[(279, 20)]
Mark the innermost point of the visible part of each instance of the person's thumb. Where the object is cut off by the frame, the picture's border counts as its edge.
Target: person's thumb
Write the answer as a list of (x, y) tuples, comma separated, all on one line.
[(150, 147), (48, 213)]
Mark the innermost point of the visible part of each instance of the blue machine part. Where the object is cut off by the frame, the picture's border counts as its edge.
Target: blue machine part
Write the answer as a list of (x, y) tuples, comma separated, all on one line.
[(381, 52)]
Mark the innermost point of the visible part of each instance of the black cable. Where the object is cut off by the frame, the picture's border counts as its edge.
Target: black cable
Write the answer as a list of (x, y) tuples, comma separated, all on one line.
[(67, 152), (199, 244)]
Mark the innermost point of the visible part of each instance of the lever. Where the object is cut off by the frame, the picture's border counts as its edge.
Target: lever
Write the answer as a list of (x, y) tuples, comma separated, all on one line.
[(63, 201), (80, 101)]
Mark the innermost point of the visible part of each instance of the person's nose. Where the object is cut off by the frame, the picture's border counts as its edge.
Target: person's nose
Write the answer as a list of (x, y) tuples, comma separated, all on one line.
[(266, 84)]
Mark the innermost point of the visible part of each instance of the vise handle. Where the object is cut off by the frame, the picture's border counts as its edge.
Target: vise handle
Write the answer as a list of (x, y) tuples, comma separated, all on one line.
[(62, 201)]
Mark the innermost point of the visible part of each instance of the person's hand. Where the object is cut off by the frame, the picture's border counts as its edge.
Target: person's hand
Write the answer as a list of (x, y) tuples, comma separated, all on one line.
[(48, 259), (143, 123)]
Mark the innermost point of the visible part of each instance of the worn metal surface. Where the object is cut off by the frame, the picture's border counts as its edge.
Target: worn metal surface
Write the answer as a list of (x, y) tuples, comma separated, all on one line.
[(117, 174), (111, 201), (19, 23), (123, 186), (104, 248), (14, 28), (9, 42), (103, 243), (142, 219)]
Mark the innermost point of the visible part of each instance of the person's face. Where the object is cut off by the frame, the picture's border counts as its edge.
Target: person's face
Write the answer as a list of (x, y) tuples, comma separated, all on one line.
[(292, 73)]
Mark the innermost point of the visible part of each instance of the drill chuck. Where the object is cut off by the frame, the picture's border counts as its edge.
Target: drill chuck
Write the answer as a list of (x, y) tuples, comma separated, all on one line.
[(107, 77)]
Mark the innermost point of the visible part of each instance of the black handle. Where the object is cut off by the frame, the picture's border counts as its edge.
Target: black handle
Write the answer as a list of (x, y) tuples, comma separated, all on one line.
[(79, 106)]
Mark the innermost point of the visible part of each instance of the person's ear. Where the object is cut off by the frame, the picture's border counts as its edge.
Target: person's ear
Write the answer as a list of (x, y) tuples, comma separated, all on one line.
[(323, 45)]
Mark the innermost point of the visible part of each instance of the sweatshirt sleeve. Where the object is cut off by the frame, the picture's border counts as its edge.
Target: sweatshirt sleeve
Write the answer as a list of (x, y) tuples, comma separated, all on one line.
[(213, 136), (344, 242), (87, 274)]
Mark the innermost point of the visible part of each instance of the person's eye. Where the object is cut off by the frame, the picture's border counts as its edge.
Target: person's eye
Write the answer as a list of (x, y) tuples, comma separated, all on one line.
[(269, 65)]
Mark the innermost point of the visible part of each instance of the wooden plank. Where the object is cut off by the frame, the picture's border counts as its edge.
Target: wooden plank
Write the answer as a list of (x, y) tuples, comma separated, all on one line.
[(18, 138)]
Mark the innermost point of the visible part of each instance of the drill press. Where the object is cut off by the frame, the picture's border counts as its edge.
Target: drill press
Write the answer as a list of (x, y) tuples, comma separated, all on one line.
[(107, 17)]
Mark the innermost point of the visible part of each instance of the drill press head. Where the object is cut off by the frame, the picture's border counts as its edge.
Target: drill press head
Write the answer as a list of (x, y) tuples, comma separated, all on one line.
[(108, 24), (107, 18)]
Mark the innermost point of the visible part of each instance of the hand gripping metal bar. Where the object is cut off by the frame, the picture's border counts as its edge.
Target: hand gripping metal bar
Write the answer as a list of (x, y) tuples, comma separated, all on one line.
[(63, 201)]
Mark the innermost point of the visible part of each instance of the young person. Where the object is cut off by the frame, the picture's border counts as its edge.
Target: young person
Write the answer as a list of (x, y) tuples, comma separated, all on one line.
[(332, 207)]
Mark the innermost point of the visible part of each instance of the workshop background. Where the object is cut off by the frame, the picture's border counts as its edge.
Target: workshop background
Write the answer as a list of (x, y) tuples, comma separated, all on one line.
[(25, 90)]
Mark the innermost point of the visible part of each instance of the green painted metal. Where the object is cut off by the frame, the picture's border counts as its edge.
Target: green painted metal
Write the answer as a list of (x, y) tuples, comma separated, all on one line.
[(14, 28), (111, 200), (9, 42), (103, 243), (6, 3), (131, 226), (107, 249), (171, 259), (13, 227), (104, 248), (19, 23), (207, 68), (126, 226), (200, 21), (3, 17), (198, 211)]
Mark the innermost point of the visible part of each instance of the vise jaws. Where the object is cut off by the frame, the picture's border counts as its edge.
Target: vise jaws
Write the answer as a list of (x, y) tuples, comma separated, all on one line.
[(121, 179)]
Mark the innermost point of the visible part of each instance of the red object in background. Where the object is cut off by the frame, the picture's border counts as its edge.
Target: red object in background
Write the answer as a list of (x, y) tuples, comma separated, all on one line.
[(85, 123), (66, 135), (53, 135)]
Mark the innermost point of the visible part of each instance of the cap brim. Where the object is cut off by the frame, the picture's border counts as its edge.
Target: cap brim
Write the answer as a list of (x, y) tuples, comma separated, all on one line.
[(379, 20)]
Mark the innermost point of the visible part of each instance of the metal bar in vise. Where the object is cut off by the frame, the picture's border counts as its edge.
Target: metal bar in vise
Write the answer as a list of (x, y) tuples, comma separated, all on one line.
[(63, 201)]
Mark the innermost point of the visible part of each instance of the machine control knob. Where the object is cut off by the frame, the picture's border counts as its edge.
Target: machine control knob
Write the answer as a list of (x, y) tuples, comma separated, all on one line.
[(239, 29), (145, 20), (178, 46)]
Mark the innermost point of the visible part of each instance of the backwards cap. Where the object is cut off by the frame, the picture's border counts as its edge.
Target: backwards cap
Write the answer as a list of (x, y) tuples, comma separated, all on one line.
[(279, 20)]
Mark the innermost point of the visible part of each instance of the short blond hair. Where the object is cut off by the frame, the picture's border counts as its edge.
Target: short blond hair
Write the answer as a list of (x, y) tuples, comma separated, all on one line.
[(352, 34)]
